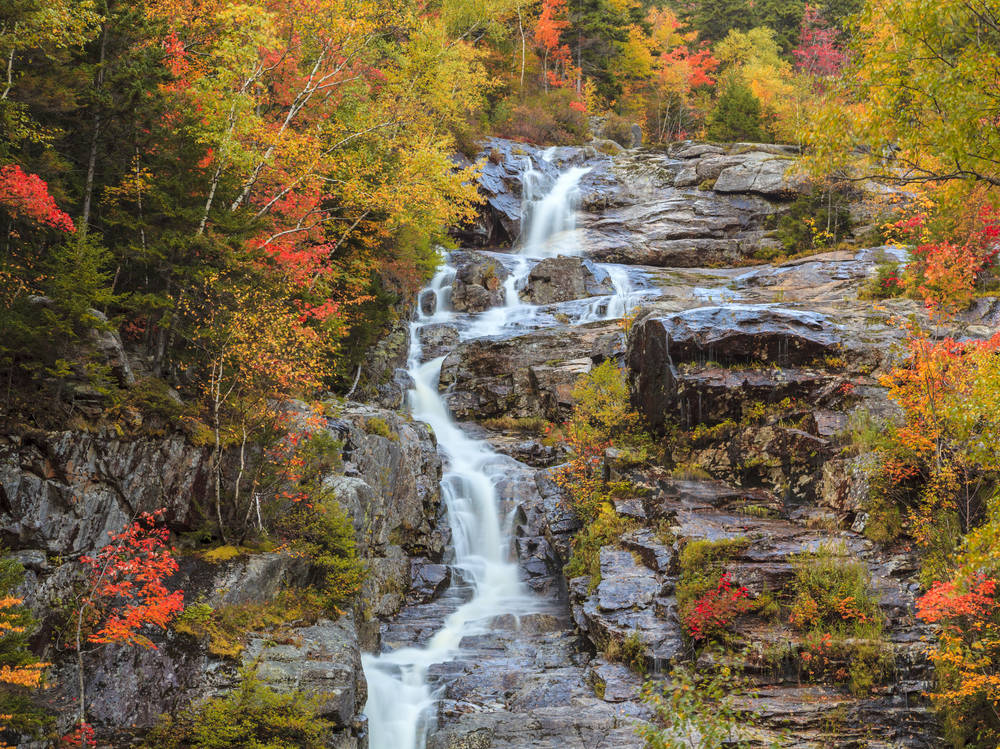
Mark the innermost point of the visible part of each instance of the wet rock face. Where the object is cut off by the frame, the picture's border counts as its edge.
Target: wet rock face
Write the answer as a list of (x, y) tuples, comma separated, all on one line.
[(478, 282), (561, 279), (735, 334), (530, 375), (63, 492)]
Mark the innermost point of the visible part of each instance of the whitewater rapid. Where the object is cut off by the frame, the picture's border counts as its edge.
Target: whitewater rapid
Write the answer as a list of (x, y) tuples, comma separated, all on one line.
[(400, 707)]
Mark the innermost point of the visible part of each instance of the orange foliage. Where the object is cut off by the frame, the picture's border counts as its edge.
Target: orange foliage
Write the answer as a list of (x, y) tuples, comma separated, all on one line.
[(127, 591)]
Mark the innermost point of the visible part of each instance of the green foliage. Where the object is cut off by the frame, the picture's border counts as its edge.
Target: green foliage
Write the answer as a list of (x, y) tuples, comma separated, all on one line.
[(814, 221), (224, 629), (618, 129), (603, 413), (885, 284), (737, 116), (544, 119), (836, 607), (695, 710), (531, 424), (631, 652), (604, 529), (253, 716), (323, 531), (377, 425)]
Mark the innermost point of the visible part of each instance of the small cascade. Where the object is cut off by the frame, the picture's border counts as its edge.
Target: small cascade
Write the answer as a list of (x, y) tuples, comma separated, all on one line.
[(400, 699), (550, 218)]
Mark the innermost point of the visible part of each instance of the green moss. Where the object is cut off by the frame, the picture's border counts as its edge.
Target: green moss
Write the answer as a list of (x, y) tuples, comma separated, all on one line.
[(253, 715), (224, 629), (379, 426), (630, 652), (221, 554), (531, 424)]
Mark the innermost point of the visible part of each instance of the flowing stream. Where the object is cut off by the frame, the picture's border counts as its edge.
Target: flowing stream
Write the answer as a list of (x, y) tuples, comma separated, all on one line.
[(400, 699)]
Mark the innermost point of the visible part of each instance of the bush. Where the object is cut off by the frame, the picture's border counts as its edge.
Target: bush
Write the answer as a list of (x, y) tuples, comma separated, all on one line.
[(21, 670), (814, 221), (618, 129), (737, 115), (605, 528), (544, 119), (325, 534), (835, 607), (695, 710), (379, 426), (887, 281), (252, 716), (706, 600)]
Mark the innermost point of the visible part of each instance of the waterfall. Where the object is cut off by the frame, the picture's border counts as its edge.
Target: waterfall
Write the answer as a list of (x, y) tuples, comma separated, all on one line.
[(400, 705), (400, 700), (549, 219)]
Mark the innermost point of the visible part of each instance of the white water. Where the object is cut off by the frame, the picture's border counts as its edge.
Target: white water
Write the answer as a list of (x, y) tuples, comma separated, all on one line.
[(400, 700), (550, 220)]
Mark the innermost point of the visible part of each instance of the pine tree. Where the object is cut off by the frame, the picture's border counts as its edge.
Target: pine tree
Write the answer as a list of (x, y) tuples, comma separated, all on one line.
[(737, 115)]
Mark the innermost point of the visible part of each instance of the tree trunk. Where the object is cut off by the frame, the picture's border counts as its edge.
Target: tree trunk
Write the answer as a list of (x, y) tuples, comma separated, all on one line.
[(88, 188)]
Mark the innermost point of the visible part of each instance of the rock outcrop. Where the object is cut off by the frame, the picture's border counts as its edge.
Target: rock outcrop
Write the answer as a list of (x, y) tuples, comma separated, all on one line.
[(61, 494)]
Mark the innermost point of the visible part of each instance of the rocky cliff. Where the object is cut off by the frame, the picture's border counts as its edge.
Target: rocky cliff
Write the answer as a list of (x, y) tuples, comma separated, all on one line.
[(762, 366)]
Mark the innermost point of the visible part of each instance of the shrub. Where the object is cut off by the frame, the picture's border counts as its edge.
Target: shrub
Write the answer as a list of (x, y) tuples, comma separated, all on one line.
[(253, 715), (706, 600), (835, 607), (964, 607), (324, 533), (543, 119), (814, 221), (693, 710), (737, 115), (20, 671), (379, 426), (618, 129), (605, 528), (887, 281), (631, 652), (713, 613)]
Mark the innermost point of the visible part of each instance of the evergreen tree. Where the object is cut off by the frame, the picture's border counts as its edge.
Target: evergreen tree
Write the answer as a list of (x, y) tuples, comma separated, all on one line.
[(737, 115)]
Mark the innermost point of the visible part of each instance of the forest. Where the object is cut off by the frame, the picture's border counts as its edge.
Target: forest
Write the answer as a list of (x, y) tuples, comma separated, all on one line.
[(210, 209)]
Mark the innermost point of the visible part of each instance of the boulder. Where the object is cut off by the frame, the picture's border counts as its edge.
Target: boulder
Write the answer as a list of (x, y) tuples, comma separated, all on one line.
[(437, 340), (427, 580), (733, 334), (478, 283), (762, 173), (529, 375), (561, 279)]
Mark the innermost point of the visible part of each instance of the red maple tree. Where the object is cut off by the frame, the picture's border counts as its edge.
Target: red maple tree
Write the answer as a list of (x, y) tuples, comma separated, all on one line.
[(125, 594), (818, 53), (552, 22), (27, 196)]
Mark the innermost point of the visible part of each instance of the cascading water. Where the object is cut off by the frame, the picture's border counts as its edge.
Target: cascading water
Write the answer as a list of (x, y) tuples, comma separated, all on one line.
[(399, 696), (400, 699), (552, 217)]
